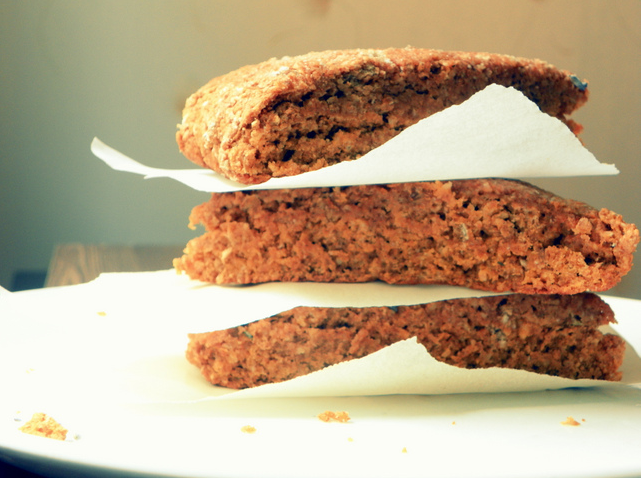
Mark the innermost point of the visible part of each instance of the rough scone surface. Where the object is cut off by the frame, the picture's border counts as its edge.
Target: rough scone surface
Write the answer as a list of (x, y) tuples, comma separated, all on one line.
[(554, 335), (286, 116), (488, 234)]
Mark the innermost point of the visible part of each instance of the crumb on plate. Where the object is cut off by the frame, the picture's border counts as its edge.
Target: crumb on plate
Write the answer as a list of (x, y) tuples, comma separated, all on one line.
[(43, 425), (570, 422), (248, 429), (329, 416)]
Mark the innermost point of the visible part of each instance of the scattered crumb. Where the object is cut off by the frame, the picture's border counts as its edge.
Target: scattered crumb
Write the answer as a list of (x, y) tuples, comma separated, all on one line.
[(30, 370), (570, 422), (248, 429), (102, 313), (350, 439), (44, 426), (328, 416), (453, 423), (404, 450)]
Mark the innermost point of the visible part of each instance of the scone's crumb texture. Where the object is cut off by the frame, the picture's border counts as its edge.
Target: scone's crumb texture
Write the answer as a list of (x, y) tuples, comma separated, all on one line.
[(287, 116), (487, 234), (549, 334), (43, 425)]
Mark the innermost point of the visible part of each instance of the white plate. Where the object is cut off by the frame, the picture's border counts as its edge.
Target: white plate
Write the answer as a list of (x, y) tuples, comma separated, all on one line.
[(52, 362)]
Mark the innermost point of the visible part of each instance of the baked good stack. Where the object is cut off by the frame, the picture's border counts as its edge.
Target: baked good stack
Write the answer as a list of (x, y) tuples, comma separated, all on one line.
[(543, 255)]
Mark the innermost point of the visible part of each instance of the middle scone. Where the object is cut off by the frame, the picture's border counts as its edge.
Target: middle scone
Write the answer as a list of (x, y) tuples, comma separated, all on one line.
[(488, 234)]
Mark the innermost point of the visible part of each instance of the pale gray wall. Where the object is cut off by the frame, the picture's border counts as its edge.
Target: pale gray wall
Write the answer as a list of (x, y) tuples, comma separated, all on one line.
[(120, 70)]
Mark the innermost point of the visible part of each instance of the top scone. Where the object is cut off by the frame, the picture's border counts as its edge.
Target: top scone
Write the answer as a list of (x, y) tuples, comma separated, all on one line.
[(287, 116)]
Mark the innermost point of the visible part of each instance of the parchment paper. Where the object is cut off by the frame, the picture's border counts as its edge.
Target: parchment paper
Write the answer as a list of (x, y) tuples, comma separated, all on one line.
[(498, 132), (127, 332)]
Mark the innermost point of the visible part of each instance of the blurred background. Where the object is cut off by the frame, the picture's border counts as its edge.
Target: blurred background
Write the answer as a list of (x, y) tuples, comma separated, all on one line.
[(121, 70)]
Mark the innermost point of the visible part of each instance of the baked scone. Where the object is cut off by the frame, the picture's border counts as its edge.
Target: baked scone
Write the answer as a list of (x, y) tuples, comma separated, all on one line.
[(489, 234), (548, 334), (286, 116)]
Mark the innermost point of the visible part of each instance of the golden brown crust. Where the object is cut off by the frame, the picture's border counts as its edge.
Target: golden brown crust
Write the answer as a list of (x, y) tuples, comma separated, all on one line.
[(295, 114), (554, 335), (489, 234)]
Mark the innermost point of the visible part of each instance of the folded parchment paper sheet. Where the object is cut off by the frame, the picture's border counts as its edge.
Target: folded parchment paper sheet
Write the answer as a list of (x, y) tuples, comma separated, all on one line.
[(498, 132)]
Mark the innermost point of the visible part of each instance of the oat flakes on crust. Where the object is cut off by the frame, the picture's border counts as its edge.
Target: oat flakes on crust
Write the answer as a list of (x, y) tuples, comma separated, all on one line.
[(549, 334), (286, 116), (488, 234)]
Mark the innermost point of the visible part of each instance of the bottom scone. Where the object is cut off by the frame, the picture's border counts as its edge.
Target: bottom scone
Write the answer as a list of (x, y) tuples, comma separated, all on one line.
[(549, 334)]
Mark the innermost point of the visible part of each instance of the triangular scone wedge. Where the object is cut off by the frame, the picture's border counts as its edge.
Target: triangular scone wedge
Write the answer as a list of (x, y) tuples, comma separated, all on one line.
[(547, 334), (488, 234), (287, 116)]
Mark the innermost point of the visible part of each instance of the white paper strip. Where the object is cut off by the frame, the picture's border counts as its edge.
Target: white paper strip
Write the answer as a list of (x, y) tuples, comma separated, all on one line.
[(205, 307), (498, 132)]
